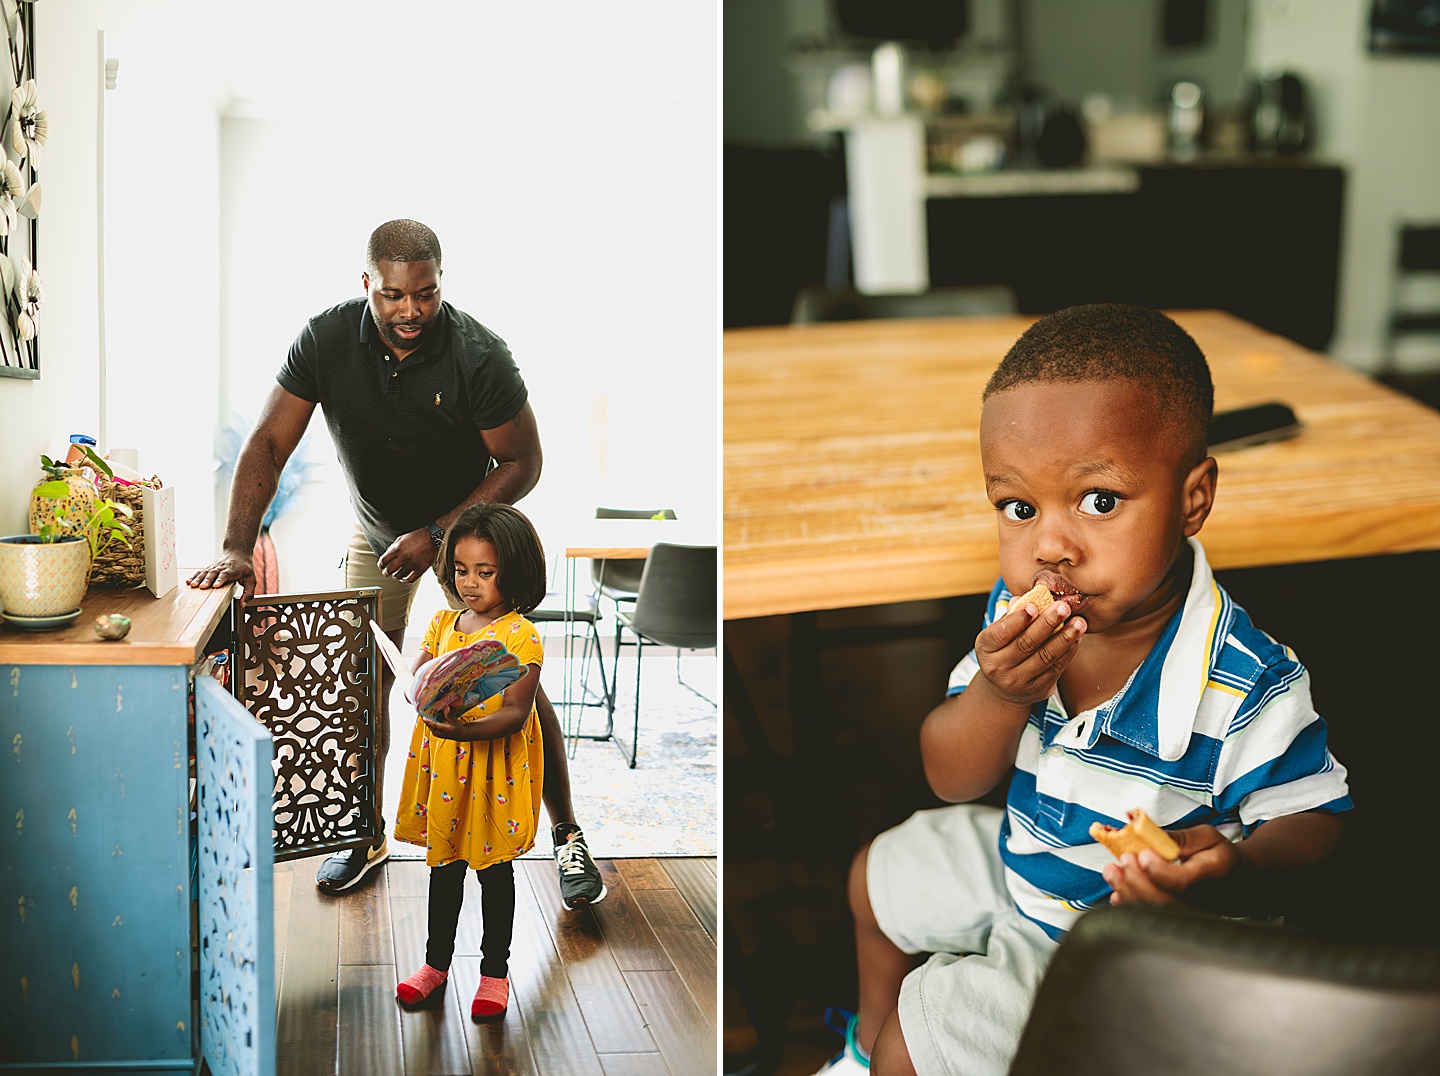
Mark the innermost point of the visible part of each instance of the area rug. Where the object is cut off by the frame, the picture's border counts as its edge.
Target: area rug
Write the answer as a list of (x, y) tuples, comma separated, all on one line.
[(666, 805)]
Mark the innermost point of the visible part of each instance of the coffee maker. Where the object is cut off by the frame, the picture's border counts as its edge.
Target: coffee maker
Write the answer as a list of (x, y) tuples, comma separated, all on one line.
[(1279, 115)]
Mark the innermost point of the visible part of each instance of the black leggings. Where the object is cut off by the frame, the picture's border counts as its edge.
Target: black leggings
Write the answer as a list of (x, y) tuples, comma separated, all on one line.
[(497, 907)]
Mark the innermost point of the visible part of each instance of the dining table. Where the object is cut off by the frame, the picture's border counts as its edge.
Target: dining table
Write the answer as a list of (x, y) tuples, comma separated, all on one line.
[(852, 460), (608, 539), (854, 515)]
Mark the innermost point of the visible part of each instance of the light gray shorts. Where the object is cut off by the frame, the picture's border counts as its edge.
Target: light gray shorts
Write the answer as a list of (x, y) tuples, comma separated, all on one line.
[(937, 885)]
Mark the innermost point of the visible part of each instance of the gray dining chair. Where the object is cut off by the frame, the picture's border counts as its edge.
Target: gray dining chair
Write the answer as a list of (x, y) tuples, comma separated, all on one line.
[(675, 605), (586, 616), (619, 580), (1414, 310), (816, 304)]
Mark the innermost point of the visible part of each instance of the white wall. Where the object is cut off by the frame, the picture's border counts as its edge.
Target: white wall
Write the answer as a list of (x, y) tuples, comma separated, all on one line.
[(567, 160), (38, 416), (1378, 116), (162, 248), (567, 157), (1116, 47), (160, 291)]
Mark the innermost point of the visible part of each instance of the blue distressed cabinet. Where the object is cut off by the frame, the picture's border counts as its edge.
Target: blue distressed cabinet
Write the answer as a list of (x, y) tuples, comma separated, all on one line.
[(135, 909)]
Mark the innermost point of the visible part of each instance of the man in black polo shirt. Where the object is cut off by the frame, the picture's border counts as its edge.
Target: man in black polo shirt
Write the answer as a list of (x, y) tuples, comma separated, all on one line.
[(429, 415)]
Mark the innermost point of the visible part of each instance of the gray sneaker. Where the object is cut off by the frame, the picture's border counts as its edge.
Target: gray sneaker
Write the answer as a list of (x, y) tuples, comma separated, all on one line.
[(580, 882), (342, 870)]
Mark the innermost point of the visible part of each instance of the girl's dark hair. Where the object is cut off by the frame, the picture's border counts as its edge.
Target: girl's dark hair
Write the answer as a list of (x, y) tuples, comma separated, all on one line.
[(517, 546)]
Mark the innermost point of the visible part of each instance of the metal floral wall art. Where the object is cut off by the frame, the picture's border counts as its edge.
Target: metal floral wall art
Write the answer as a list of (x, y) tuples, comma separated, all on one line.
[(26, 130)]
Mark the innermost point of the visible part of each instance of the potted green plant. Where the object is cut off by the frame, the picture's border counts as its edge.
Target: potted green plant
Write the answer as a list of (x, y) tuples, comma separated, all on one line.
[(96, 519), (44, 575)]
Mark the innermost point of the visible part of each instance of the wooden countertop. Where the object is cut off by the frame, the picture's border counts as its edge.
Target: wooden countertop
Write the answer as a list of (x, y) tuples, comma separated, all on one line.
[(852, 461), (171, 630)]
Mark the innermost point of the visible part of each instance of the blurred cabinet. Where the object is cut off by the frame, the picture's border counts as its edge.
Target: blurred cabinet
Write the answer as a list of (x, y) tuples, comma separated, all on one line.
[(1260, 240)]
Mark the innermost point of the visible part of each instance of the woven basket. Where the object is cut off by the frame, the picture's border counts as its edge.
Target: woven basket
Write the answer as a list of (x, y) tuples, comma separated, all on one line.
[(120, 564)]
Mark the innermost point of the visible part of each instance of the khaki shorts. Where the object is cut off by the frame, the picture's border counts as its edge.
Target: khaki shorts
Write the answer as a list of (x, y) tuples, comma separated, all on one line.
[(937, 886), (361, 568)]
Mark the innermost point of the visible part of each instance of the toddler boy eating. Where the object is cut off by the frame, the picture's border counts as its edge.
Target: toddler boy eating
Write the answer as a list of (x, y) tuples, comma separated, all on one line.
[(1140, 686)]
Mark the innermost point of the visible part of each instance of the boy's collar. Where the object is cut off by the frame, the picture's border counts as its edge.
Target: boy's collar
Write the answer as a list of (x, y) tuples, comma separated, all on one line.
[(1158, 714)]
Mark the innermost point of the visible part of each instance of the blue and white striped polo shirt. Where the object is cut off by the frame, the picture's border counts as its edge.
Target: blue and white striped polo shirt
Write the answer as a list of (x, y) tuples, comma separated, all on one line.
[(1215, 726)]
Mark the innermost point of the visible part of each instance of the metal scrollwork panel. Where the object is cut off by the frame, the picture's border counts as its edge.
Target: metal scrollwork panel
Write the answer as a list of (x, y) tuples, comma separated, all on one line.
[(237, 906), (308, 672)]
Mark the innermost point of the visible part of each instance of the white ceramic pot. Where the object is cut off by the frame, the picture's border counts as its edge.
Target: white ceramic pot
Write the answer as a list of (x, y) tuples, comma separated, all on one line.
[(42, 579)]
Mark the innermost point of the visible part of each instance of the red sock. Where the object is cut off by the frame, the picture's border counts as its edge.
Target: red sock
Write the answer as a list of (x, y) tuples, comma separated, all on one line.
[(492, 997), (421, 985)]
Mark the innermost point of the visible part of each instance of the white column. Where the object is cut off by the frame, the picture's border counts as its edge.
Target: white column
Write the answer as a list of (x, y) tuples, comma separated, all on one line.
[(885, 163)]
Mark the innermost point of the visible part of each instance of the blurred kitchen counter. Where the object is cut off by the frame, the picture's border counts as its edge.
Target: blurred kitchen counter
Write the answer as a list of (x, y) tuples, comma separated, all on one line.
[(1018, 182), (1112, 178)]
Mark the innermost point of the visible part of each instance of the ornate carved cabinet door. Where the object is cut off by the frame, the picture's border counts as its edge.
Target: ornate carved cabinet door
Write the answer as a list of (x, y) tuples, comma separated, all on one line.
[(309, 671), (236, 938)]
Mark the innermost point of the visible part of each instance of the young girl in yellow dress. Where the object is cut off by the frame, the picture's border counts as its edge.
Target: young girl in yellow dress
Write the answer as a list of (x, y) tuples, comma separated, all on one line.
[(471, 793)]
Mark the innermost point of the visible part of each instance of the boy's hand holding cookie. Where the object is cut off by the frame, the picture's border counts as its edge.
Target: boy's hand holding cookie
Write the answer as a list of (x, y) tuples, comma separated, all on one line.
[(1147, 877), (1022, 654), (1138, 834)]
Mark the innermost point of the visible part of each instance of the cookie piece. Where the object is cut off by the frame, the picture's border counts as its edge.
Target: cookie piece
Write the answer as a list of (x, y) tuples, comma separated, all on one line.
[(1039, 594), (1138, 834), (1043, 599)]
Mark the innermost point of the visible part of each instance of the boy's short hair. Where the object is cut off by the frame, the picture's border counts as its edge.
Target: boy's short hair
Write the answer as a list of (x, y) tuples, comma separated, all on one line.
[(1106, 341), (517, 546)]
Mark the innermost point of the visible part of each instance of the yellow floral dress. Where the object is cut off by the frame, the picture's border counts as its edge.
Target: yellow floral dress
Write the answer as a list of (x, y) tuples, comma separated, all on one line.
[(476, 800)]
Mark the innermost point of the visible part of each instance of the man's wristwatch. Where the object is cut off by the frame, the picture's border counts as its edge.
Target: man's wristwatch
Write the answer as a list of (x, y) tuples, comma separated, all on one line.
[(437, 534)]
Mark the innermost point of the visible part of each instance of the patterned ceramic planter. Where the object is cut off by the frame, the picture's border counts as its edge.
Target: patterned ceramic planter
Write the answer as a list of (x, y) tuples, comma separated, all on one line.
[(42, 579)]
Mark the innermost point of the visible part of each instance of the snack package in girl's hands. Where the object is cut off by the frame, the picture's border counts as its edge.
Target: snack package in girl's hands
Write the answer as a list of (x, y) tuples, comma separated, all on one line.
[(455, 681)]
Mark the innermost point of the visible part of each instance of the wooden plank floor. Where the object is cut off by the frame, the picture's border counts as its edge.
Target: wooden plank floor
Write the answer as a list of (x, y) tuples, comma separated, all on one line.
[(624, 988)]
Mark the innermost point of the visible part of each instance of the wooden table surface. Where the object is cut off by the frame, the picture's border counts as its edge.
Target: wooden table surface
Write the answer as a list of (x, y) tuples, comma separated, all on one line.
[(163, 631), (852, 462), (631, 539)]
